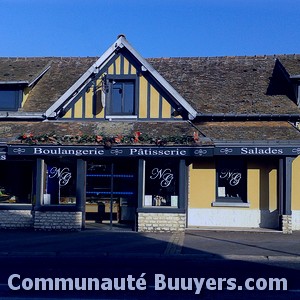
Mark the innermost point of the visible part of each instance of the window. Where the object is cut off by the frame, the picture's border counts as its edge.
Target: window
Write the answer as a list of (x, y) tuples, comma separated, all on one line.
[(10, 97), (231, 180), (16, 182), (161, 184), (121, 98), (60, 183)]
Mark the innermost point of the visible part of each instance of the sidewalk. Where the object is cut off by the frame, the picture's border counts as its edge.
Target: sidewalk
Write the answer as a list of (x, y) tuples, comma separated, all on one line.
[(192, 243)]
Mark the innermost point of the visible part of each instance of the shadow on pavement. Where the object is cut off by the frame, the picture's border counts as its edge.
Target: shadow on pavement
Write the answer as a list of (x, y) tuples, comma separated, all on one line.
[(102, 254)]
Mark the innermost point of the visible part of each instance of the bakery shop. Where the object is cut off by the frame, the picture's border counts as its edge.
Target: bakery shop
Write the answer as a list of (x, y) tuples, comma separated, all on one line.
[(150, 144)]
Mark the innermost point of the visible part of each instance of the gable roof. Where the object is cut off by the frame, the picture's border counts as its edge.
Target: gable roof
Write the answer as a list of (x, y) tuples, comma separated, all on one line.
[(121, 42)]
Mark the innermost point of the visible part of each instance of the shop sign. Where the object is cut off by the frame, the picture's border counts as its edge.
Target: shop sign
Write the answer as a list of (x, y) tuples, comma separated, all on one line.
[(114, 151), (261, 151)]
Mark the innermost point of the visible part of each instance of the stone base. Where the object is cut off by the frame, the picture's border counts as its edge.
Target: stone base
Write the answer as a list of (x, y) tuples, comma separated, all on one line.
[(16, 219), (161, 222), (286, 224), (54, 220), (233, 217)]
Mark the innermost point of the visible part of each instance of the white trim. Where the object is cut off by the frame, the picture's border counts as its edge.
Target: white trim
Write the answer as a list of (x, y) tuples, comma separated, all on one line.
[(112, 117), (230, 204)]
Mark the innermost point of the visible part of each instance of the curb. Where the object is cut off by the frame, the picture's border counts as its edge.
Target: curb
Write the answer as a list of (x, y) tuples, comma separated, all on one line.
[(265, 258)]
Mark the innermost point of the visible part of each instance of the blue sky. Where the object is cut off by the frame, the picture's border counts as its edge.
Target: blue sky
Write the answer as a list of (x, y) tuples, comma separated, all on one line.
[(155, 28)]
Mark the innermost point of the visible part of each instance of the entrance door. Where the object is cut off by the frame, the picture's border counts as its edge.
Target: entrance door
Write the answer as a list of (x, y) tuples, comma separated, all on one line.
[(111, 193)]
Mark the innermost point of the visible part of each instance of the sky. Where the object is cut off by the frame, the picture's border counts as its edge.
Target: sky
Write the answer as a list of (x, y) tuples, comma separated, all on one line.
[(155, 28)]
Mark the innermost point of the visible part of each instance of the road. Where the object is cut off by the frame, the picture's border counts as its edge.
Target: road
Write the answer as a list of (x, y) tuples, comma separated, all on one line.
[(186, 268)]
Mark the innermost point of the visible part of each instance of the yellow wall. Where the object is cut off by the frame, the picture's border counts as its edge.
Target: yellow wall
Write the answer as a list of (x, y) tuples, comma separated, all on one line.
[(202, 185), (296, 184), (261, 184), (148, 106), (25, 95)]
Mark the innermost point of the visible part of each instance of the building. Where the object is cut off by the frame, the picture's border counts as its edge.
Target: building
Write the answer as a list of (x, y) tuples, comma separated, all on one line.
[(158, 144)]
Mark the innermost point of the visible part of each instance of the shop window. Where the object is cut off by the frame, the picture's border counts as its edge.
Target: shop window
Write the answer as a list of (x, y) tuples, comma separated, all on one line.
[(10, 98), (231, 180), (59, 183), (121, 98), (161, 184), (16, 182)]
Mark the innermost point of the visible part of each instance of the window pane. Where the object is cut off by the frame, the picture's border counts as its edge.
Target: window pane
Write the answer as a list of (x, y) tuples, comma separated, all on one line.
[(128, 98), (116, 103), (8, 100), (161, 183), (60, 183), (16, 182), (231, 179)]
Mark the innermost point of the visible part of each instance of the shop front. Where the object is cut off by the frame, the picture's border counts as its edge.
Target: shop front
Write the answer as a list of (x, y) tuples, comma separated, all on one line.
[(149, 188), (244, 187), (68, 187)]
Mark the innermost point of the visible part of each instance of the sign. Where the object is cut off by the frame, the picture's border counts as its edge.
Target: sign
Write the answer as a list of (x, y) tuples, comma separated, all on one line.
[(147, 151), (257, 151), (87, 151)]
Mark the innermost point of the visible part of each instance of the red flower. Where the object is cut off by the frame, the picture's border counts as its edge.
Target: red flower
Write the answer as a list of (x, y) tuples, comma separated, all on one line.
[(118, 139), (196, 136), (27, 136), (136, 136), (99, 138)]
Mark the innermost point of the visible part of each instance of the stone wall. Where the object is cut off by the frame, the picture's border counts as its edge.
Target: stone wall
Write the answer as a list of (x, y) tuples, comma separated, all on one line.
[(159, 222), (16, 219), (54, 220), (287, 225)]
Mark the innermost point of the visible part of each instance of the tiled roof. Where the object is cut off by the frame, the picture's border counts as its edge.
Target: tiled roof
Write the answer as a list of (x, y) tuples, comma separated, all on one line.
[(62, 74), (250, 84), (249, 131)]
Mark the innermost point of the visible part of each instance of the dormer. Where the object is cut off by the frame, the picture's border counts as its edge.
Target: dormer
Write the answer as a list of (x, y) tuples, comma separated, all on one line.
[(121, 85)]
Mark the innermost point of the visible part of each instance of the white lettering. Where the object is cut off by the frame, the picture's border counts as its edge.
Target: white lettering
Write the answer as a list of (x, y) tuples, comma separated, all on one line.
[(263, 151), (160, 283), (199, 284), (63, 175), (37, 150), (10, 282), (165, 175), (232, 176)]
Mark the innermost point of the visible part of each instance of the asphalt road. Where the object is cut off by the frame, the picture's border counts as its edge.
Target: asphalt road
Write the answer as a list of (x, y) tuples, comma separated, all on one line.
[(159, 274)]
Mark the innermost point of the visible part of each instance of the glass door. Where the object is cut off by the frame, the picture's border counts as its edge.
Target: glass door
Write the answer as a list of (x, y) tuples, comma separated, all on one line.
[(111, 193)]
